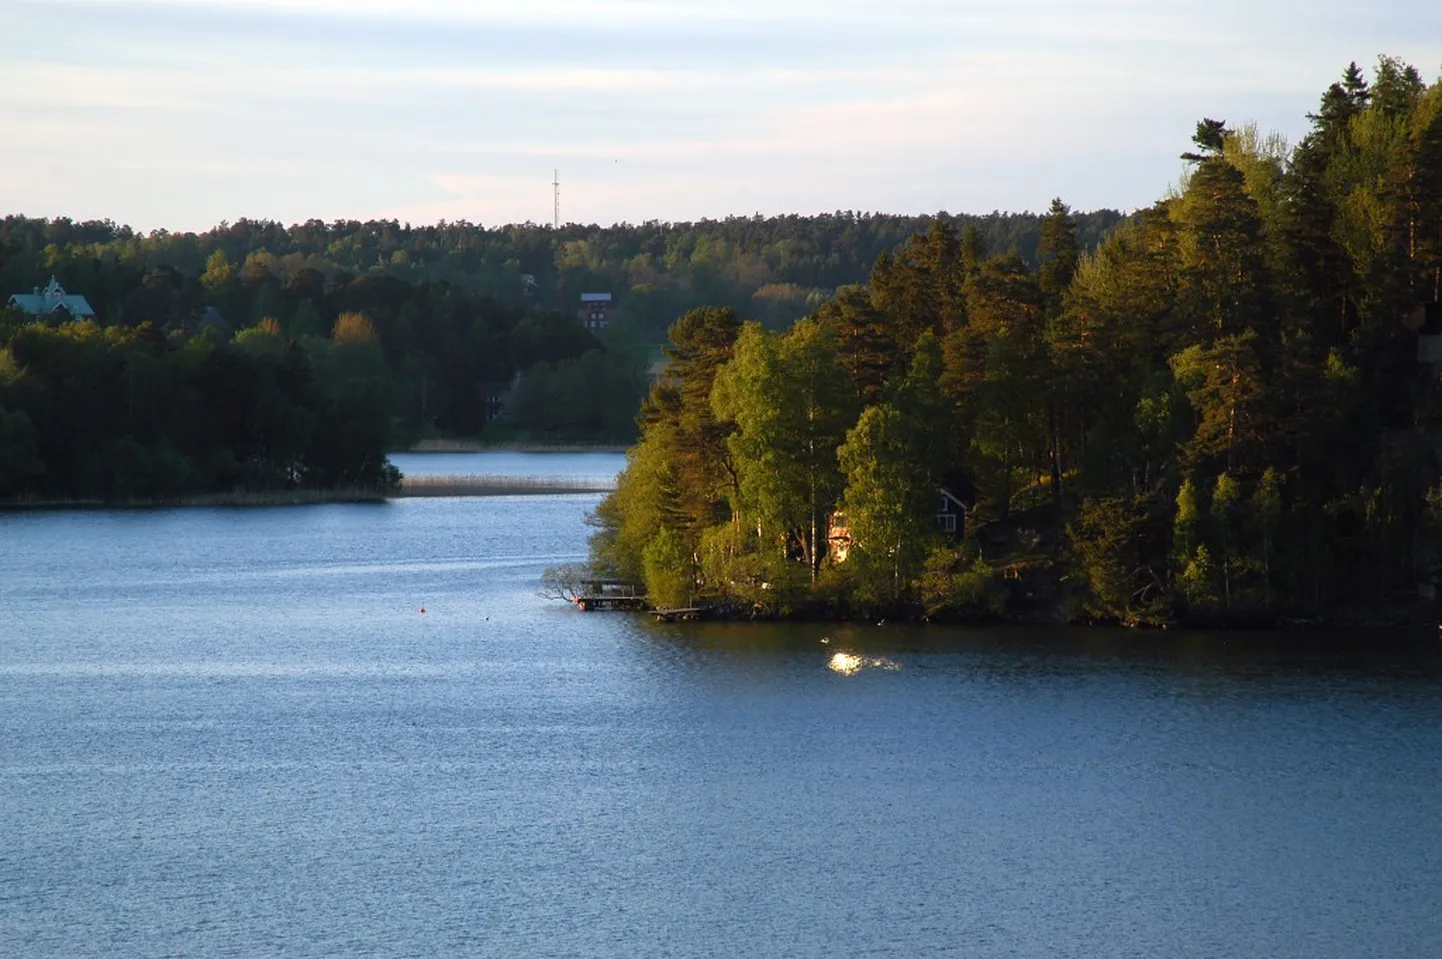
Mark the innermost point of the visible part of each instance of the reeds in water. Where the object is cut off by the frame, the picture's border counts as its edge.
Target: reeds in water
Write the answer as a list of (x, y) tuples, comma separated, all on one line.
[(481, 485)]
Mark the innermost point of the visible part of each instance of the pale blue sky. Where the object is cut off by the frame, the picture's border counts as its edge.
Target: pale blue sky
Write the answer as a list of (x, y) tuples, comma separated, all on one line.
[(181, 113)]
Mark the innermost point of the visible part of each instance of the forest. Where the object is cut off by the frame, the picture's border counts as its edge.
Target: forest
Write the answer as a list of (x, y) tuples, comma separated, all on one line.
[(774, 269), (258, 357), (1228, 412)]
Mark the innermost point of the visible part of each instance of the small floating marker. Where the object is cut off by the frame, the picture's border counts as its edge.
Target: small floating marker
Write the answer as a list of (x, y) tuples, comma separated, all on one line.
[(423, 610)]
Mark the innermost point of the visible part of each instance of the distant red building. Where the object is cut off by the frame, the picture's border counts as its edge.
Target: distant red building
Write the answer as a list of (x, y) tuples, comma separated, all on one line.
[(596, 310)]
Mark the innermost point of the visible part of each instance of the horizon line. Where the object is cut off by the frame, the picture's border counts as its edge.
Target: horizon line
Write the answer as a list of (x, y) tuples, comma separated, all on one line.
[(547, 227)]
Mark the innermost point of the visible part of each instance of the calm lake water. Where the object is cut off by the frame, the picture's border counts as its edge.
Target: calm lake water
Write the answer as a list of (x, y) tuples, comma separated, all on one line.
[(232, 732)]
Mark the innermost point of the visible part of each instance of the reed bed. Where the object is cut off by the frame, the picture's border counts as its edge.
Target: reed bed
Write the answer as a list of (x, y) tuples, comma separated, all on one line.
[(517, 446), (487, 485)]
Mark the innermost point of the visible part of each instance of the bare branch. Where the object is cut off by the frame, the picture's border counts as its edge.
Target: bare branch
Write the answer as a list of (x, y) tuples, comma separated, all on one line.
[(563, 582)]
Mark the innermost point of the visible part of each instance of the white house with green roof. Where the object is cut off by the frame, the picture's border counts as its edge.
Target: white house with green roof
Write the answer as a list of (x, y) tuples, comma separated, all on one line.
[(52, 299)]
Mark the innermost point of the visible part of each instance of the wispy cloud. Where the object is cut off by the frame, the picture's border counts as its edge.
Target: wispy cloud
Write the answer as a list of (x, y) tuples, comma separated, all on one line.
[(653, 108), (51, 85)]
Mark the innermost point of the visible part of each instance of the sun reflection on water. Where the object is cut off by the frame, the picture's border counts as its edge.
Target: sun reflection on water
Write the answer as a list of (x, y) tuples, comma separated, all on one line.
[(848, 664)]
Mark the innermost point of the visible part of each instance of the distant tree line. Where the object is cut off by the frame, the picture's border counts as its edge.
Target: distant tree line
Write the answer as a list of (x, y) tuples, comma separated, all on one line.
[(1220, 414), (232, 358), (775, 269)]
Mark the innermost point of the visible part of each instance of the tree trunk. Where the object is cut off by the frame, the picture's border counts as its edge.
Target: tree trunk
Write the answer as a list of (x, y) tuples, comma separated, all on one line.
[(815, 557), (1055, 429)]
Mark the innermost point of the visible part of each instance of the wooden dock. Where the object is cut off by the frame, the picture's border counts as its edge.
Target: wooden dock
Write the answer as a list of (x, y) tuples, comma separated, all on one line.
[(595, 595), (677, 615), (600, 603)]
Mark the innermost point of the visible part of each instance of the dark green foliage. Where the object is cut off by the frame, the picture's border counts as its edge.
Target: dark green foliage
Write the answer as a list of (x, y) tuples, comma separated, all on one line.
[(778, 266), (123, 414), (1106, 543), (1056, 253), (1211, 135), (865, 342), (473, 321), (960, 582)]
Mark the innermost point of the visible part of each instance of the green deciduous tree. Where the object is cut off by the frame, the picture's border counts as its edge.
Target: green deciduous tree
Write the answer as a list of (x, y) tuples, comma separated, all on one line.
[(668, 566), (892, 475), (791, 405)]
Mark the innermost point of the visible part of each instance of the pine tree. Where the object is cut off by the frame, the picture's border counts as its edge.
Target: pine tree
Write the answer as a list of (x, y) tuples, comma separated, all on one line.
[(1056, 253), (999, 376), (1423, 196), (1354, 83), (680, 409), (1223, 282), (865, 342), (973, 250), (1396, 87), (1210, 138)]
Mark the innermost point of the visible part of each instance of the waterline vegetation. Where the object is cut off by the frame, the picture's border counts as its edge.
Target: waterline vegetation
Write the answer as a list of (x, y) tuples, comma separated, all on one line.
[(498, 485)]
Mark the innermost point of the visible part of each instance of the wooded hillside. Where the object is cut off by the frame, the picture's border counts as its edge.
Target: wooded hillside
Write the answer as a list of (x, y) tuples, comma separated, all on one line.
[(257, 356)]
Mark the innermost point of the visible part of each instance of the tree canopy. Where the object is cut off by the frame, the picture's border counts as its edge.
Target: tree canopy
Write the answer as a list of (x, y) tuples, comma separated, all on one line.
[(477, 328), (1227, 409)]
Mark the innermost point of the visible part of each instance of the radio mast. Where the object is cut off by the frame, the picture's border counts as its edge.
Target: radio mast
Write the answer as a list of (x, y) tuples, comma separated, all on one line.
[(556, 198)]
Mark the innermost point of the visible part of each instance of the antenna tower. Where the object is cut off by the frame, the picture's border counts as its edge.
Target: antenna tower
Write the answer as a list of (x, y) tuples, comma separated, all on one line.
[(556, 197)]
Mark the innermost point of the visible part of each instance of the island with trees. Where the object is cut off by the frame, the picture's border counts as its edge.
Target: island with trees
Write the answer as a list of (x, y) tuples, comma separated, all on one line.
[(1230, 411)]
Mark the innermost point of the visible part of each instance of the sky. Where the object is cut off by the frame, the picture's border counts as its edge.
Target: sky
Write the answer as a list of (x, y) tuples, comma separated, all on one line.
[(179, 114)]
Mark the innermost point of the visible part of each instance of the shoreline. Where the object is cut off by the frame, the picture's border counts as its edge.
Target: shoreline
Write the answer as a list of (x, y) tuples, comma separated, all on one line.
[(440, 487), (233, 498), (1356, 621), (1379, 630)]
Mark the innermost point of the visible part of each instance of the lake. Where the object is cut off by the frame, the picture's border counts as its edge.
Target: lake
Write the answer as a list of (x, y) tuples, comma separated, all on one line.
[(233, 732)]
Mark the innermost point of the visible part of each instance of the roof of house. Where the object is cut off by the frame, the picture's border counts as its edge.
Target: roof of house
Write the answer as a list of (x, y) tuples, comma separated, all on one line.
[(948, 498), (52, 299), (595, 298)]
